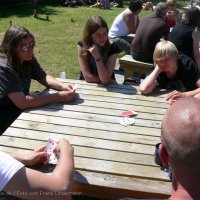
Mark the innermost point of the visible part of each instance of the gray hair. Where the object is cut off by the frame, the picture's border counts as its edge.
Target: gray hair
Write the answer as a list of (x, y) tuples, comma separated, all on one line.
[(161, 9)]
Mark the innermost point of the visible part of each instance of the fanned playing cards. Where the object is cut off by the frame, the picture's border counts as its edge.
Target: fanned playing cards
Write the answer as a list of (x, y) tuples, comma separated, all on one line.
[(50, 146)]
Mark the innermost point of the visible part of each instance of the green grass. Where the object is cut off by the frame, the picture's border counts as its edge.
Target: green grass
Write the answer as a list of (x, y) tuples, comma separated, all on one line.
[(57, 37)]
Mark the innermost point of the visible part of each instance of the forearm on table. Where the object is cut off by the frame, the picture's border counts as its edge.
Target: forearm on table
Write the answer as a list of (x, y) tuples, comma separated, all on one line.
[(104, 75), (64, 171), (193, 92), (51, 82), (40, 100), (105, 71), (91, 78), (150, 82), (17, 156)]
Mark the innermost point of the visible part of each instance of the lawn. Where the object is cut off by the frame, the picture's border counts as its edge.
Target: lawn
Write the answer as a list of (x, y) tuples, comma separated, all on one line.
[(57, 30)]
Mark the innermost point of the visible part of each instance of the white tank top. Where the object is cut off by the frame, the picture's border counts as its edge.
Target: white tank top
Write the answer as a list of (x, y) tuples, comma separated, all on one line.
[(119, 27)]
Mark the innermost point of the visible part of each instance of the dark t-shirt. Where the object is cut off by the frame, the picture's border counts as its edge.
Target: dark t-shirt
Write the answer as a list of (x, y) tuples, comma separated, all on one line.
[(113, 49), (148, 34), (11, 82), (181, 36), (186, 77)]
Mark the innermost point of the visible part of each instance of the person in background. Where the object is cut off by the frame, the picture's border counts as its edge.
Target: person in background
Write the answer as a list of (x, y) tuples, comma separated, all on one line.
[(97, 57), (172, 71), (105, 4), (23, 182), (34, 6), (148, 6), (180, 147), (124, 24), (149, 32), (183, 36), (18, 66), (98, 4), (173, 16)]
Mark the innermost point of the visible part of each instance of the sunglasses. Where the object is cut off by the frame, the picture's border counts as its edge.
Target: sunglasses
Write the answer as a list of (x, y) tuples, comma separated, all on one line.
[(26, 47)]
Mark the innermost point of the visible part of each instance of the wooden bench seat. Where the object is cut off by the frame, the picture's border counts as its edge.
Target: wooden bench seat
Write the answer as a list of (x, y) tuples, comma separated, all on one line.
[(131, 36), (131, 66)]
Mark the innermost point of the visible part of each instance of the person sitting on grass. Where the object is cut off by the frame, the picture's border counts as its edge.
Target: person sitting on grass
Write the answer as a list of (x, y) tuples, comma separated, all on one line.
[(18, 66), (124, 24), (25, 183), (180, 147), (172, 71), (97, 57)]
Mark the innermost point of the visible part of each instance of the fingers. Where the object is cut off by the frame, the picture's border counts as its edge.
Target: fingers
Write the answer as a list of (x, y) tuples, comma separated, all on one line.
[(41, 149), (171, 94)]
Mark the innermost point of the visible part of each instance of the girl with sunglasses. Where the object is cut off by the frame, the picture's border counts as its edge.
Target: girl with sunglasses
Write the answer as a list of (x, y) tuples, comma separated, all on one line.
[(18, 67)]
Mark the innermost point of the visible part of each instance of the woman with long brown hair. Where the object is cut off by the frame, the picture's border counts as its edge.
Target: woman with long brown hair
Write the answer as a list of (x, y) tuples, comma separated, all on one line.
[(17, 67), (97, 57)]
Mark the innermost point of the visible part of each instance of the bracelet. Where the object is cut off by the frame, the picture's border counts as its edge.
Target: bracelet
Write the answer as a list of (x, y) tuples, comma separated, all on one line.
[(98, 59)]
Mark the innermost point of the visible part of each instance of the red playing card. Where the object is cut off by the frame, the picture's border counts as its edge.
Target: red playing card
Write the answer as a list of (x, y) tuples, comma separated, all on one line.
[(128, 113)]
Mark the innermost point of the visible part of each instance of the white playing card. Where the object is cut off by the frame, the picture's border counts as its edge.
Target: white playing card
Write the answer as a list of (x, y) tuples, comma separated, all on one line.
[(74, 87), (126, 121), (50, 146)]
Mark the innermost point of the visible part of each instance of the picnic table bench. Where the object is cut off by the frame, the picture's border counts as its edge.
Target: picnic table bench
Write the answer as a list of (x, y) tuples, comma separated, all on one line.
[(131, 66), (111, 161)]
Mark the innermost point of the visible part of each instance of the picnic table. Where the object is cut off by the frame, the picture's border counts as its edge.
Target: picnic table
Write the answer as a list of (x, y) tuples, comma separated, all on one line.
[(111, 161)]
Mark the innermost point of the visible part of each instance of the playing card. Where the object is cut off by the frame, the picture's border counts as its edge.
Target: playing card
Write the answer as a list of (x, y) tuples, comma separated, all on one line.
[(74, 87), (126, 121), (128, 113), (50, 146)]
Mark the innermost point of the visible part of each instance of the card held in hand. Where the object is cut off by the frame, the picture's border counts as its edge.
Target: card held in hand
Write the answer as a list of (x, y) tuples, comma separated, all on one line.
[(50, 146)]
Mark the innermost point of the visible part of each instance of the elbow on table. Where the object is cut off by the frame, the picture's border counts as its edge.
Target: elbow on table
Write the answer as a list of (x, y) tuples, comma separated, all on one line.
[(145, 90), (22, 106)]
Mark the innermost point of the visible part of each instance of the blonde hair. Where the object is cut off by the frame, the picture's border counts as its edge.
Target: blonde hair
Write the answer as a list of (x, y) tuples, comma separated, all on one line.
[(171, 2), (165, 49)]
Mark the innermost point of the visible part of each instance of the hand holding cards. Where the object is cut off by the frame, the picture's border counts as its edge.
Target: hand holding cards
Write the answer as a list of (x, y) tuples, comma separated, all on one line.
[(50, 146)]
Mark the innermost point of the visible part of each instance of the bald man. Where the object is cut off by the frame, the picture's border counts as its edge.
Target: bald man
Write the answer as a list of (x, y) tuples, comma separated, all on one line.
[(180, 147)]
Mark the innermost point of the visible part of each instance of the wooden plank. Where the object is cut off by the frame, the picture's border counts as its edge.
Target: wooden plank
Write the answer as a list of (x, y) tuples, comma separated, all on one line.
[(95, 117), (74, 140), (100, 111), (91, 125), (158, 95), (115, 187), (77, 131), (130, 101), (131, 66), (92, 152), (95, 164)]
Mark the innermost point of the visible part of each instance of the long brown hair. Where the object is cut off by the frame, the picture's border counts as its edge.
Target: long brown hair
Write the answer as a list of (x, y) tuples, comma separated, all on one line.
[(13, 36), (92, 25)]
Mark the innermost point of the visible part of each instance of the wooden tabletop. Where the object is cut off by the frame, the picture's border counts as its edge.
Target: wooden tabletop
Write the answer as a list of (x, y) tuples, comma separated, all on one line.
[(110, 158)]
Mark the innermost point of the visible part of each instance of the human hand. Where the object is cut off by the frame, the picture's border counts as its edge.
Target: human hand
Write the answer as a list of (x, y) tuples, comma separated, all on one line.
[(63, 145), (36, 157), (66, 96), (174, 96), (196, 35), (159, 67), (67, 87), (94, 51)]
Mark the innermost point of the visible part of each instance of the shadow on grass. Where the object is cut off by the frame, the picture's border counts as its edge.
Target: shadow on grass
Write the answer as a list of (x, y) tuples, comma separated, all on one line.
[(26, 9)]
